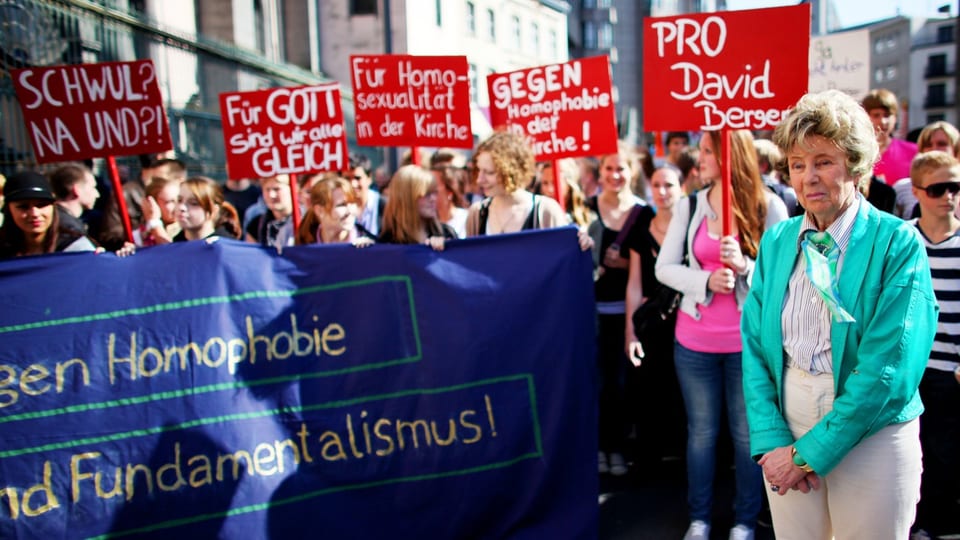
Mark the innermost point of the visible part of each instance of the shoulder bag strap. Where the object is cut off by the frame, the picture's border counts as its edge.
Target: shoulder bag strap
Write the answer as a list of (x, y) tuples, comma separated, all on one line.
[(628, 224)]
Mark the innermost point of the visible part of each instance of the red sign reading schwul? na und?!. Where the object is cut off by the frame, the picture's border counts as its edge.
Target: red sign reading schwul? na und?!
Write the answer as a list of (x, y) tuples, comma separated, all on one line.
[(406, 100), (564, 110), (284, 131), (84, 111), (725, 70)]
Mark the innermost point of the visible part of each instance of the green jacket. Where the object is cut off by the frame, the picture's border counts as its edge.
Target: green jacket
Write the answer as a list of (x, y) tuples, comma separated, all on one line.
[(878, 360)]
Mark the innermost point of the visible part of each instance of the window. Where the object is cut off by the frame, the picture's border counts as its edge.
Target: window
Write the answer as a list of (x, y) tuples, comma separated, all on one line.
[(937, 95), (439, 13), (471, 18), (552, 43), (515, 32), (945, 34), (472, 75), (259, 28), (605, 36), (491, 25), (885, 44), (535, 38), (363, 7), (937, 65), (589, 35)]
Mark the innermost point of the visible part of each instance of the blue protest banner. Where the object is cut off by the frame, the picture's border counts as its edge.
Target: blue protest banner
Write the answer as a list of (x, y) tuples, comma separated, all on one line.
[(220, 390)]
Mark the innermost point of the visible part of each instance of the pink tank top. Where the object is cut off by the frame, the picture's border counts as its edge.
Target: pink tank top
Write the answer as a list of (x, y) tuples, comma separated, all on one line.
[(718, 330)]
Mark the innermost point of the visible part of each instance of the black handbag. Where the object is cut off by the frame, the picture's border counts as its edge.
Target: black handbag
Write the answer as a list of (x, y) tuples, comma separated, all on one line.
[(655, 320)]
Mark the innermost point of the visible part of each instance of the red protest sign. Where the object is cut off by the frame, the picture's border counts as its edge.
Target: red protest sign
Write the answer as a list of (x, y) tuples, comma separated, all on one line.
[(406, 100), (284, 131), (565, 110), (84, 111), (725, 70)]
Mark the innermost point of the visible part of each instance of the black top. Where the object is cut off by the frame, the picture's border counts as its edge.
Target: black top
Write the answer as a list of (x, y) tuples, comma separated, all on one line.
[(642, 241), (241, 200), (265, 228), (882, 196), (532, 222), (219, 231)]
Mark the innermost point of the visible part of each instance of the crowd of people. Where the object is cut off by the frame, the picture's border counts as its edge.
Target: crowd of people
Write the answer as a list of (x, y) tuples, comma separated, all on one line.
[(820, 338)]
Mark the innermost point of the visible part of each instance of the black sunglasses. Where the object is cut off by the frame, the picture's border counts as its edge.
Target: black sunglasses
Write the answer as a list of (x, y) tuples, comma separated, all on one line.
[(935, 191)]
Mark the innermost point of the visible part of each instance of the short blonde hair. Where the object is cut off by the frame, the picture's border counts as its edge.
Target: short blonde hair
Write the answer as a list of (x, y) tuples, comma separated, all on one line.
[(925, 163), (923, 141), (838, 118)]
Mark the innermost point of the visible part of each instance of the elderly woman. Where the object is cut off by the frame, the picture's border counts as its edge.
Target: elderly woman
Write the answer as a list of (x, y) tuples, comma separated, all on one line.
[(837, 329)]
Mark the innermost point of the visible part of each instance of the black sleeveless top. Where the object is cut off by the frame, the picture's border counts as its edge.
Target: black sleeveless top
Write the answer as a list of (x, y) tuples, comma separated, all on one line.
[(532, 222)]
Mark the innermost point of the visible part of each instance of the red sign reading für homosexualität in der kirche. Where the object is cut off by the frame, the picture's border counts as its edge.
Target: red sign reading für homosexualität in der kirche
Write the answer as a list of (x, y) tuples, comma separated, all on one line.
[(83, 111), (284, 131), (726, 70), (565, 110), (406, 100)]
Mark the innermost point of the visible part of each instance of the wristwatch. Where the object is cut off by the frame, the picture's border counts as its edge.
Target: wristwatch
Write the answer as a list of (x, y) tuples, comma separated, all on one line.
[(799, 461)]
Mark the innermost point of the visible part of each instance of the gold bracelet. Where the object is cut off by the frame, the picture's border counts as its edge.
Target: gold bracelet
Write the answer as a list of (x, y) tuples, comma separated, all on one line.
[(799, 461)]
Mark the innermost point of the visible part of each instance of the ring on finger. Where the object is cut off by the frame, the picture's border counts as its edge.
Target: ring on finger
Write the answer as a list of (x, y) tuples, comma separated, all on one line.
[(774, 488)]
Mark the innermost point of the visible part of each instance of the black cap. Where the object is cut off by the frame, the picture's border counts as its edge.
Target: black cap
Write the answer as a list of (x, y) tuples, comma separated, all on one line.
[(27, 185)]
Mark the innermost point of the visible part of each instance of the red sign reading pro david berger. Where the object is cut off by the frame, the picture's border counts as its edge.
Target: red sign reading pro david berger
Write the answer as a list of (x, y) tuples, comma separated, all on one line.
[(406, 100), (565, 110), (724, 70)]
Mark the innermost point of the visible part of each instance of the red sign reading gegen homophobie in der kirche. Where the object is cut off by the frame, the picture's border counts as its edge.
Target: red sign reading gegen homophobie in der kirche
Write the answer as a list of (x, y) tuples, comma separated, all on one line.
[(81, 111), (564, 110), (724, 70)]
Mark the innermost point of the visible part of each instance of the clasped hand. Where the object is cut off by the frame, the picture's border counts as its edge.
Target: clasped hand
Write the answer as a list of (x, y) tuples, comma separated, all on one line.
[(779, 470)]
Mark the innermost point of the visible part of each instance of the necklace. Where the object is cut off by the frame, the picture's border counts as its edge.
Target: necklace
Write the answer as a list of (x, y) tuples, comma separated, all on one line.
[(657, 228), (499, 226)]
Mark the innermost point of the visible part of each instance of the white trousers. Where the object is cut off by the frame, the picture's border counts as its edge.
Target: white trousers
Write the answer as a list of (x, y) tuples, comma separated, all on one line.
[(871, 495)]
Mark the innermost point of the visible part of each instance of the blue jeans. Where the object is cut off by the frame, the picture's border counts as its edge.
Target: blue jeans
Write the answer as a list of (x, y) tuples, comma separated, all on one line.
[(707, 380)]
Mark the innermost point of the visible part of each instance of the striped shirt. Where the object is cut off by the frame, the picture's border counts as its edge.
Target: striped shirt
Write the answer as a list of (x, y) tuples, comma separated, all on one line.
[(805, 319), (945, 270)]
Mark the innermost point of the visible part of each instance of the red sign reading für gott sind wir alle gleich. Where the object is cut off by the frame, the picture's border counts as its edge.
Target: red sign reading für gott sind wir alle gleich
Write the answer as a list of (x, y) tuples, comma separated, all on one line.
[(284, 131)]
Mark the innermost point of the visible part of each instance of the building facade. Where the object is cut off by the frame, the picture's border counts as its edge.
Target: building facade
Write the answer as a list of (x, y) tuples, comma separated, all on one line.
[(200, 49), (933, 73)]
